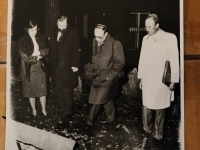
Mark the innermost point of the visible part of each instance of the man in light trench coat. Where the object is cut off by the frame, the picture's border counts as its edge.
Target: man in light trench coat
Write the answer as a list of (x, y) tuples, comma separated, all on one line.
[(108, 61), (157, 47)]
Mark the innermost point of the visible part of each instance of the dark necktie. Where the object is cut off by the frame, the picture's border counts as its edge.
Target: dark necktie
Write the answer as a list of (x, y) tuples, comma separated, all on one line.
[(97, 49), (60, 38)]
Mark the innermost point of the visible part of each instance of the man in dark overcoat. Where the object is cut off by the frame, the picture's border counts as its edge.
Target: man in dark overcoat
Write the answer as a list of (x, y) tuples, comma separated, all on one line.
[(108, 62), (64, 57)]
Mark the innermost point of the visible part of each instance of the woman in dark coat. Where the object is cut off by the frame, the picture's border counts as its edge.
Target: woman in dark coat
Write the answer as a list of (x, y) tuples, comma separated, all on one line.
[(32, 47)]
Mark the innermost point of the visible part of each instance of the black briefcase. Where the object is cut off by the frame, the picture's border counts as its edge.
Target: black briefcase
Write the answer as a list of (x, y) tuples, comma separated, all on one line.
[(167, 74)]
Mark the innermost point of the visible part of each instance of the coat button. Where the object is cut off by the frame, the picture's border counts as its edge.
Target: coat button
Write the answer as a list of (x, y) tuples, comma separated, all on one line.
[(98, 65), (98, 56)]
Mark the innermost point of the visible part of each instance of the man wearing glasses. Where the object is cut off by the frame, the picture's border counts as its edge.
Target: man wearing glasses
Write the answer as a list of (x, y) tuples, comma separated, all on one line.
[(108, 61)]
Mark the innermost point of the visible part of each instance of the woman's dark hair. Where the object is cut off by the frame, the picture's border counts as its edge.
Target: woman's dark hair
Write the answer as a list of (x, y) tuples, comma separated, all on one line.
[(61, 18), (30, 24)]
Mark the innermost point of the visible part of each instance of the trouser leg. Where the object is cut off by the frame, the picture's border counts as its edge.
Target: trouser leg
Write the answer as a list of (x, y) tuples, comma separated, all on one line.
[(65, 99), (93, 114), (109, 108), (147, 119), (159, 122), (61, 100), (69, 100)]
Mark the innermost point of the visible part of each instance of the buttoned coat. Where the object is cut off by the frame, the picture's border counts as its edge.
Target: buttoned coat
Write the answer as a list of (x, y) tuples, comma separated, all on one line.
[(108, 62), (154, 53), (63, 56)]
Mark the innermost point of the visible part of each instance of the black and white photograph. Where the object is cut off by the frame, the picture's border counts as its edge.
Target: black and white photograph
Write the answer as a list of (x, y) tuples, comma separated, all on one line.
[(95, 75)]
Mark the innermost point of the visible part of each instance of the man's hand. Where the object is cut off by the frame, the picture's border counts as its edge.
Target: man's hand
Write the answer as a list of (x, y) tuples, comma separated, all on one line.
[(74, 69), (140, 84), (37, 53), (98, 83), (171, 87)]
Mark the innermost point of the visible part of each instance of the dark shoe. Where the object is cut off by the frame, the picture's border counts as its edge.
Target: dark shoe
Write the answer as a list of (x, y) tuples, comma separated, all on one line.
[(34, 117), (68, 116), (147, 131), (146, 134), (89, 130), (44, 115), (88, 127), (89, 122), (111, 124), (60, 113), (34, 114), (157, 136)]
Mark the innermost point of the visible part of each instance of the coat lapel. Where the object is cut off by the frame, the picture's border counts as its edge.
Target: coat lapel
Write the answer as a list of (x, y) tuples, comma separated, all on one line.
[(29, 42), (40, 40), (65, 34)]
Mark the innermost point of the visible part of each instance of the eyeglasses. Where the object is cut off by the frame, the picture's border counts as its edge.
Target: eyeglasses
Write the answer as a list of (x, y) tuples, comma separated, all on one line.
[(99, 37)]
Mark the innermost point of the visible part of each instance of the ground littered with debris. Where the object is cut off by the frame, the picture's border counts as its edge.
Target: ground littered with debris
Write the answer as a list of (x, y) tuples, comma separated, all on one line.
[(126, 135)]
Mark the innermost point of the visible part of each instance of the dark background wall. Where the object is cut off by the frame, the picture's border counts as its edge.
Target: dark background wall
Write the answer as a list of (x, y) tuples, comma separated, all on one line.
[(116, 15), (24, 10)]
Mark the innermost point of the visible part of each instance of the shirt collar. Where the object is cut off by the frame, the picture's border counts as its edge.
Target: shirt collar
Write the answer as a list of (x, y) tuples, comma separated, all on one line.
[(106, 39), (156, 35)]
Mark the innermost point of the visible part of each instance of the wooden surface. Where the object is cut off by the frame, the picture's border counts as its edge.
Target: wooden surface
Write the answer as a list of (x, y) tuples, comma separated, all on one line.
[(192, 104), (192, 27), (3, 35), (192, 72), (3, 29)]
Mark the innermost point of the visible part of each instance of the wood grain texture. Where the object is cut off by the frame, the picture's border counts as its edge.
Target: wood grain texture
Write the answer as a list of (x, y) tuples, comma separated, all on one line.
[(192, 104), (3, 78), (192, 37), (191, 10), (3, 42), (192, 74), (3, 15), (192, 27)]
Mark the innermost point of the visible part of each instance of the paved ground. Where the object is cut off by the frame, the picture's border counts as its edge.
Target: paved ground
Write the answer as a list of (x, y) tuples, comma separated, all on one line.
[(127, 135)]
